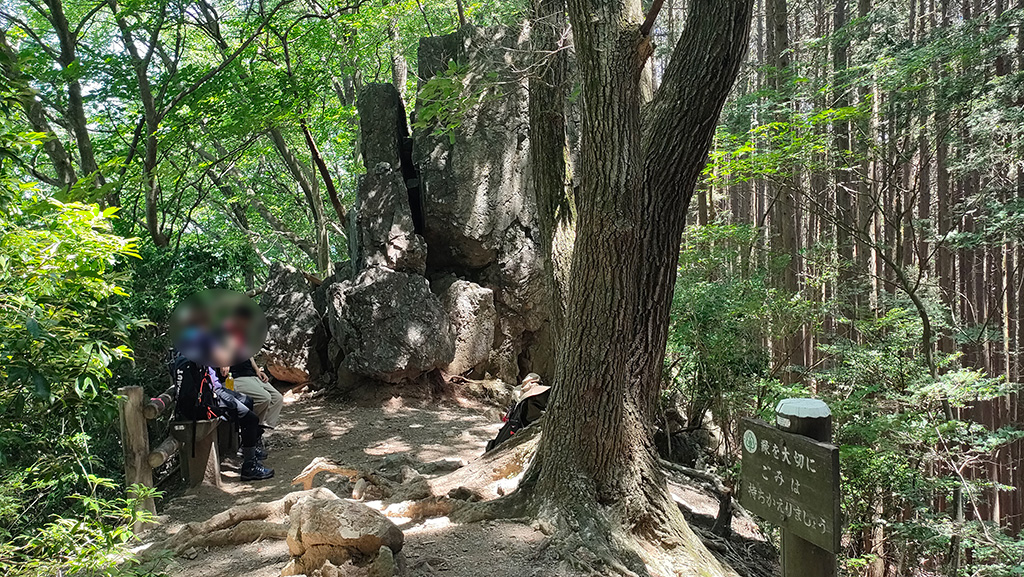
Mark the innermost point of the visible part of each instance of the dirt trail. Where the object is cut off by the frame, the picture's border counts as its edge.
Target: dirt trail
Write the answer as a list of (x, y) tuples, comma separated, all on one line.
[(361, 436)]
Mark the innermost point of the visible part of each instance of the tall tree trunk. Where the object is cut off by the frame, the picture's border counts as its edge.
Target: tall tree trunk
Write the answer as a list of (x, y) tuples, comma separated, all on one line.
[(325, 173), (843, 197), (549, 154), (596, 472), (785, 230), (140, 63), (399, 67), (76, 105)]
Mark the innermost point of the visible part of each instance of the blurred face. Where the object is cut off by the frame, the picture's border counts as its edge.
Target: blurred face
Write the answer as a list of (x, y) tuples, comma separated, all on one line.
[(218, 328)]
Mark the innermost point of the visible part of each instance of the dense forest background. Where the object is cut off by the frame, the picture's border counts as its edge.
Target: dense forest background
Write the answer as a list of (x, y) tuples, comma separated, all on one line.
[(857, 235)]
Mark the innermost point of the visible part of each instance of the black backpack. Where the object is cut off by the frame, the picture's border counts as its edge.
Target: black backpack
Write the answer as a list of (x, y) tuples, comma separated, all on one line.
[(195, 399), (519, 416)]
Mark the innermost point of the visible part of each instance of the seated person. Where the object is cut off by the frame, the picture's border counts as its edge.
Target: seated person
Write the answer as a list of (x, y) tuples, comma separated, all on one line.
[(531, 402), (199, 397), (252, 381)]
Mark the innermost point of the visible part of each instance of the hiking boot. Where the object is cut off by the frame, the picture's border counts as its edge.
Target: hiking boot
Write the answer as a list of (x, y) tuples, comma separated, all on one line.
[(261, 450), (255, 471), (252, 467)]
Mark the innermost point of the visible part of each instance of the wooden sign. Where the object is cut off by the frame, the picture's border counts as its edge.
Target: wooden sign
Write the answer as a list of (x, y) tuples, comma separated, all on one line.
[(792, 481)]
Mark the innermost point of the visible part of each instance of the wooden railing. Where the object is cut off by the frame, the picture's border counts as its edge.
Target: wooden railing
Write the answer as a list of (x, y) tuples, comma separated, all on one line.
[(135, 442), (136, 412)]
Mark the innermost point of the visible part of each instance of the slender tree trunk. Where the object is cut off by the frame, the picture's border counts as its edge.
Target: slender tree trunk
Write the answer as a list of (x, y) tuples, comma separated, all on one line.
[(325, 173), (63, 168), (399, 67), (309, 187), (238, 211), (785, 228)]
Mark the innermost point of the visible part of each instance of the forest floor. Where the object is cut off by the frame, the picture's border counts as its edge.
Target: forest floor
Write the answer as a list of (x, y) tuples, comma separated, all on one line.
[(361, 436)]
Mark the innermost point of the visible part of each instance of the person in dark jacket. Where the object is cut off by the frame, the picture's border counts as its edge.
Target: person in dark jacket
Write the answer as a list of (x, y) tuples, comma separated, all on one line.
[(201, 397), (532, 401)]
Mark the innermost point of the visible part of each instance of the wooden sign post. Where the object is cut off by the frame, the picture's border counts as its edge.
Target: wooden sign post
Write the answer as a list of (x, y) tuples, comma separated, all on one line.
[(791, 479)]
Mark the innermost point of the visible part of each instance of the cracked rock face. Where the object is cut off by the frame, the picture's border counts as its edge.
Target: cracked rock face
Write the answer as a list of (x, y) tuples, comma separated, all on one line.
[(384, 215), (389, 326), (475, 175), (287, 301), (386, 232), (471, 310), (479, 208)]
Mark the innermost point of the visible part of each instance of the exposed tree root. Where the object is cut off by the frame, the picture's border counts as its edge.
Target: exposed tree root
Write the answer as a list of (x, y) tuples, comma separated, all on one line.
[(586, 538), (483, 475), (244, 532), (422, 509), (241, 524), (324, 465), (594, 542)]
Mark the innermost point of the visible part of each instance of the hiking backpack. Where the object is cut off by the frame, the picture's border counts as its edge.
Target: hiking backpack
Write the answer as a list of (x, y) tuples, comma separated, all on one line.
[(195, 399), (519, 416)]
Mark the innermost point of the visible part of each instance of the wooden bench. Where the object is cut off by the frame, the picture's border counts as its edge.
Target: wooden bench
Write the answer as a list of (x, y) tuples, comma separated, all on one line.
[(198, 451), (199, 456)]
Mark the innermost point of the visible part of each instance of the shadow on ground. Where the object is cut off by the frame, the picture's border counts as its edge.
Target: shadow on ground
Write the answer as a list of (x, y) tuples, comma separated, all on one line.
[(361, 437)]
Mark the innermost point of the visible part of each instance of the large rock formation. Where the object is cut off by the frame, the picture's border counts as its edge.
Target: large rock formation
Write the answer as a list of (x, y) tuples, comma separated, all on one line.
[(453, 205), (292, 320), (389, 326), (474, 174), (479, 209)]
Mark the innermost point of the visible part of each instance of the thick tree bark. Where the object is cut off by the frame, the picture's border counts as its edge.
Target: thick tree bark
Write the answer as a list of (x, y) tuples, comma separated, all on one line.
[(548, 152), (596, 473)]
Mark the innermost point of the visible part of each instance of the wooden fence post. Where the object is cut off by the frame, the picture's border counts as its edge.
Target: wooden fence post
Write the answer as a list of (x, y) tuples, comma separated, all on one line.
[(135, 442), (810, 418)]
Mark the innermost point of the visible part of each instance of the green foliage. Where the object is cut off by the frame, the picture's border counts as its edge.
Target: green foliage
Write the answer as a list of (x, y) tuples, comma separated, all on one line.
[(61, 333), (93, 544), (724, 310), (900, 452), (447, 96)]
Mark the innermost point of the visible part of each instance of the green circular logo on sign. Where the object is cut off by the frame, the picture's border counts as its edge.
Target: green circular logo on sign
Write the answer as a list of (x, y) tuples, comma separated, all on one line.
[(750, 441)]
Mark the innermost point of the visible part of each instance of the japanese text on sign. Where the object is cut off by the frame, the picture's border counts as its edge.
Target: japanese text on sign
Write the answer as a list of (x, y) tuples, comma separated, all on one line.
[(792, 481)]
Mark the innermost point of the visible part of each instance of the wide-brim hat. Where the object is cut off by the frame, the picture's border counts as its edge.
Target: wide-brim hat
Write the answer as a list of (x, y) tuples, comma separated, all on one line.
[(533, 389)]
